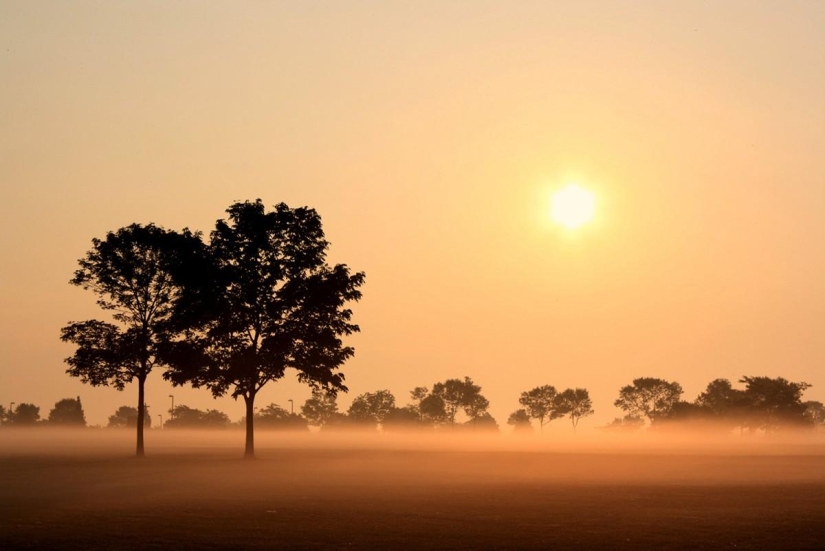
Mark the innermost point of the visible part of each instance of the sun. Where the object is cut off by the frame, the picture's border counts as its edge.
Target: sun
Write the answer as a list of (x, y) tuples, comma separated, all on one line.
[(572, 206)]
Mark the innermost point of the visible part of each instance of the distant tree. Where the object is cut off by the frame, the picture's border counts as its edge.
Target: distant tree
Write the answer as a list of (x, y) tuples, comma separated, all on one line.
[(24, 415), (135, 273), (575, 403), (628, 423), (274, 417), (433, 410), (278, 305), (68, 412), (815, 413), (459, 395), (648, 398), (184, 417), (2, 415), (725, 404), (407, 417), (483, 422), (126, 416), (319, 408), (520, 420), (340, 421), (372, 407), (540, 404), (775, 402)]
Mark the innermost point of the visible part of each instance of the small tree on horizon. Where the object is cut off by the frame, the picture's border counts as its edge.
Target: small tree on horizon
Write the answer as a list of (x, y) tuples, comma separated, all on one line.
[(648, 398), (540, 404), (68, 412), (24, 415), (521, 422), (575, 403), (126, 416), (319, 408)]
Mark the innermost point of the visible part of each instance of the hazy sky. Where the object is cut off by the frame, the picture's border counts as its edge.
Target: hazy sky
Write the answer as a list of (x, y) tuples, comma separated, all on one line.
[(429, 136)]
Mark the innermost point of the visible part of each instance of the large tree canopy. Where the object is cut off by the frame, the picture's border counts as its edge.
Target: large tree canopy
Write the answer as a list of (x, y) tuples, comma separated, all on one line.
[(649, 398), (277, 305), (138, 273)]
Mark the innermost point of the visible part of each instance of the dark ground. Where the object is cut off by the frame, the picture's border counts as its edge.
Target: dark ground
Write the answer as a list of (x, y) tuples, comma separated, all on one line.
[(420, 499)]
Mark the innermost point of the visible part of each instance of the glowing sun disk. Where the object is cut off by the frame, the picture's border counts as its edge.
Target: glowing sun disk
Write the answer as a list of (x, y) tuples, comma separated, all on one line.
[(572, 206)]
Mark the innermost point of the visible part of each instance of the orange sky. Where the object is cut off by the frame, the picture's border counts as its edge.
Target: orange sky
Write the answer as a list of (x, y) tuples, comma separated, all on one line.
[(429, 136)]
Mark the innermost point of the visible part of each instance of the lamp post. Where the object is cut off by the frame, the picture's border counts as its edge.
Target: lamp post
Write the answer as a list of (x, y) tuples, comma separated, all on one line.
[(291, 407), (161, 419), (11, 407), (172, 411)]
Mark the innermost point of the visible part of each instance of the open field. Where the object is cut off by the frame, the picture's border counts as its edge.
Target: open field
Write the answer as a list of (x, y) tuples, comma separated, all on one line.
[(339, 494)]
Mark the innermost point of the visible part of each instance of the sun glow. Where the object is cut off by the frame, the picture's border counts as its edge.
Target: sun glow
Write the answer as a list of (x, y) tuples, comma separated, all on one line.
[(572, 206)]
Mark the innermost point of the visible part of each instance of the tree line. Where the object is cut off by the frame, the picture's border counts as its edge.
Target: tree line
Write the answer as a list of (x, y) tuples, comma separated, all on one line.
[(764, 404)]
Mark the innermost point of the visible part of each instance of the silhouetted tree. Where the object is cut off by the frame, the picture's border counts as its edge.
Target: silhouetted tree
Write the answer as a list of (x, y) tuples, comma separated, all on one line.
[(68, 412), (575, 403), (628, 423), (520, 420), (483, 422), (460, 395), (278, 305), (135, 273), (726, 405), (648, 397), (191, 418), (126, 416), (815, 413), (540, 403), (319, 408), (433, 410), (407, 417), (371, 407), (24, 415), (775, 402), (274, 417)]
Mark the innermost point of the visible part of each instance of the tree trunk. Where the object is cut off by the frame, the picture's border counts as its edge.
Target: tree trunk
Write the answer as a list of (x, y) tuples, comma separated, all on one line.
[(249, 451), (141, 415)]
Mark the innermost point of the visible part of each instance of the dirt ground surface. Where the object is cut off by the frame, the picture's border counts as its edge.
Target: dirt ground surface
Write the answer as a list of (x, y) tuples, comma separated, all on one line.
[(373, 497)]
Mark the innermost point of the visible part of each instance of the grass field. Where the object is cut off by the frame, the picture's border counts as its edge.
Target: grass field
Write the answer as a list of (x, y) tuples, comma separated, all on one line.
[(345, 496)]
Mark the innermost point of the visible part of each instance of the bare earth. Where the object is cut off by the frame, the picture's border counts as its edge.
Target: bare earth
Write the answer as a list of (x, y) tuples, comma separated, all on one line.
[(371, 497)]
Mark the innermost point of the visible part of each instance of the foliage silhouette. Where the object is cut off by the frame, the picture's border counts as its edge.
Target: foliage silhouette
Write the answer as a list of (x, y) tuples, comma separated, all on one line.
[(457, 395), (521, 422), (319, 408), (68, 412), (276, 305), (183, 417), (274, 417), (575, 403), (372, 407), (540, 404), (774, 403), (648, 398), (136, 272), (24, 415), (127, 416)]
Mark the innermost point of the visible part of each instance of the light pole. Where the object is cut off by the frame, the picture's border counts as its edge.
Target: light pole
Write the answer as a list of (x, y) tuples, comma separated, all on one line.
[(172, 411), (291, 407), (161, 419)]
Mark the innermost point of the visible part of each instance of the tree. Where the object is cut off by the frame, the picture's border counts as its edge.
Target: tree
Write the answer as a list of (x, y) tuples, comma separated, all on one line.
[(483, 422), (520, 420), (319, 408), (68, 412), (459, 395), (184, 417), (628, 423), (576, 403), (725, 404), (126, 416), (648, 398), (775, 402), (815, 413), (372, 407), (274, 417), (277, 305), (2, 415), (540, 403), (24, 415), (136, 273), (407, 417)]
